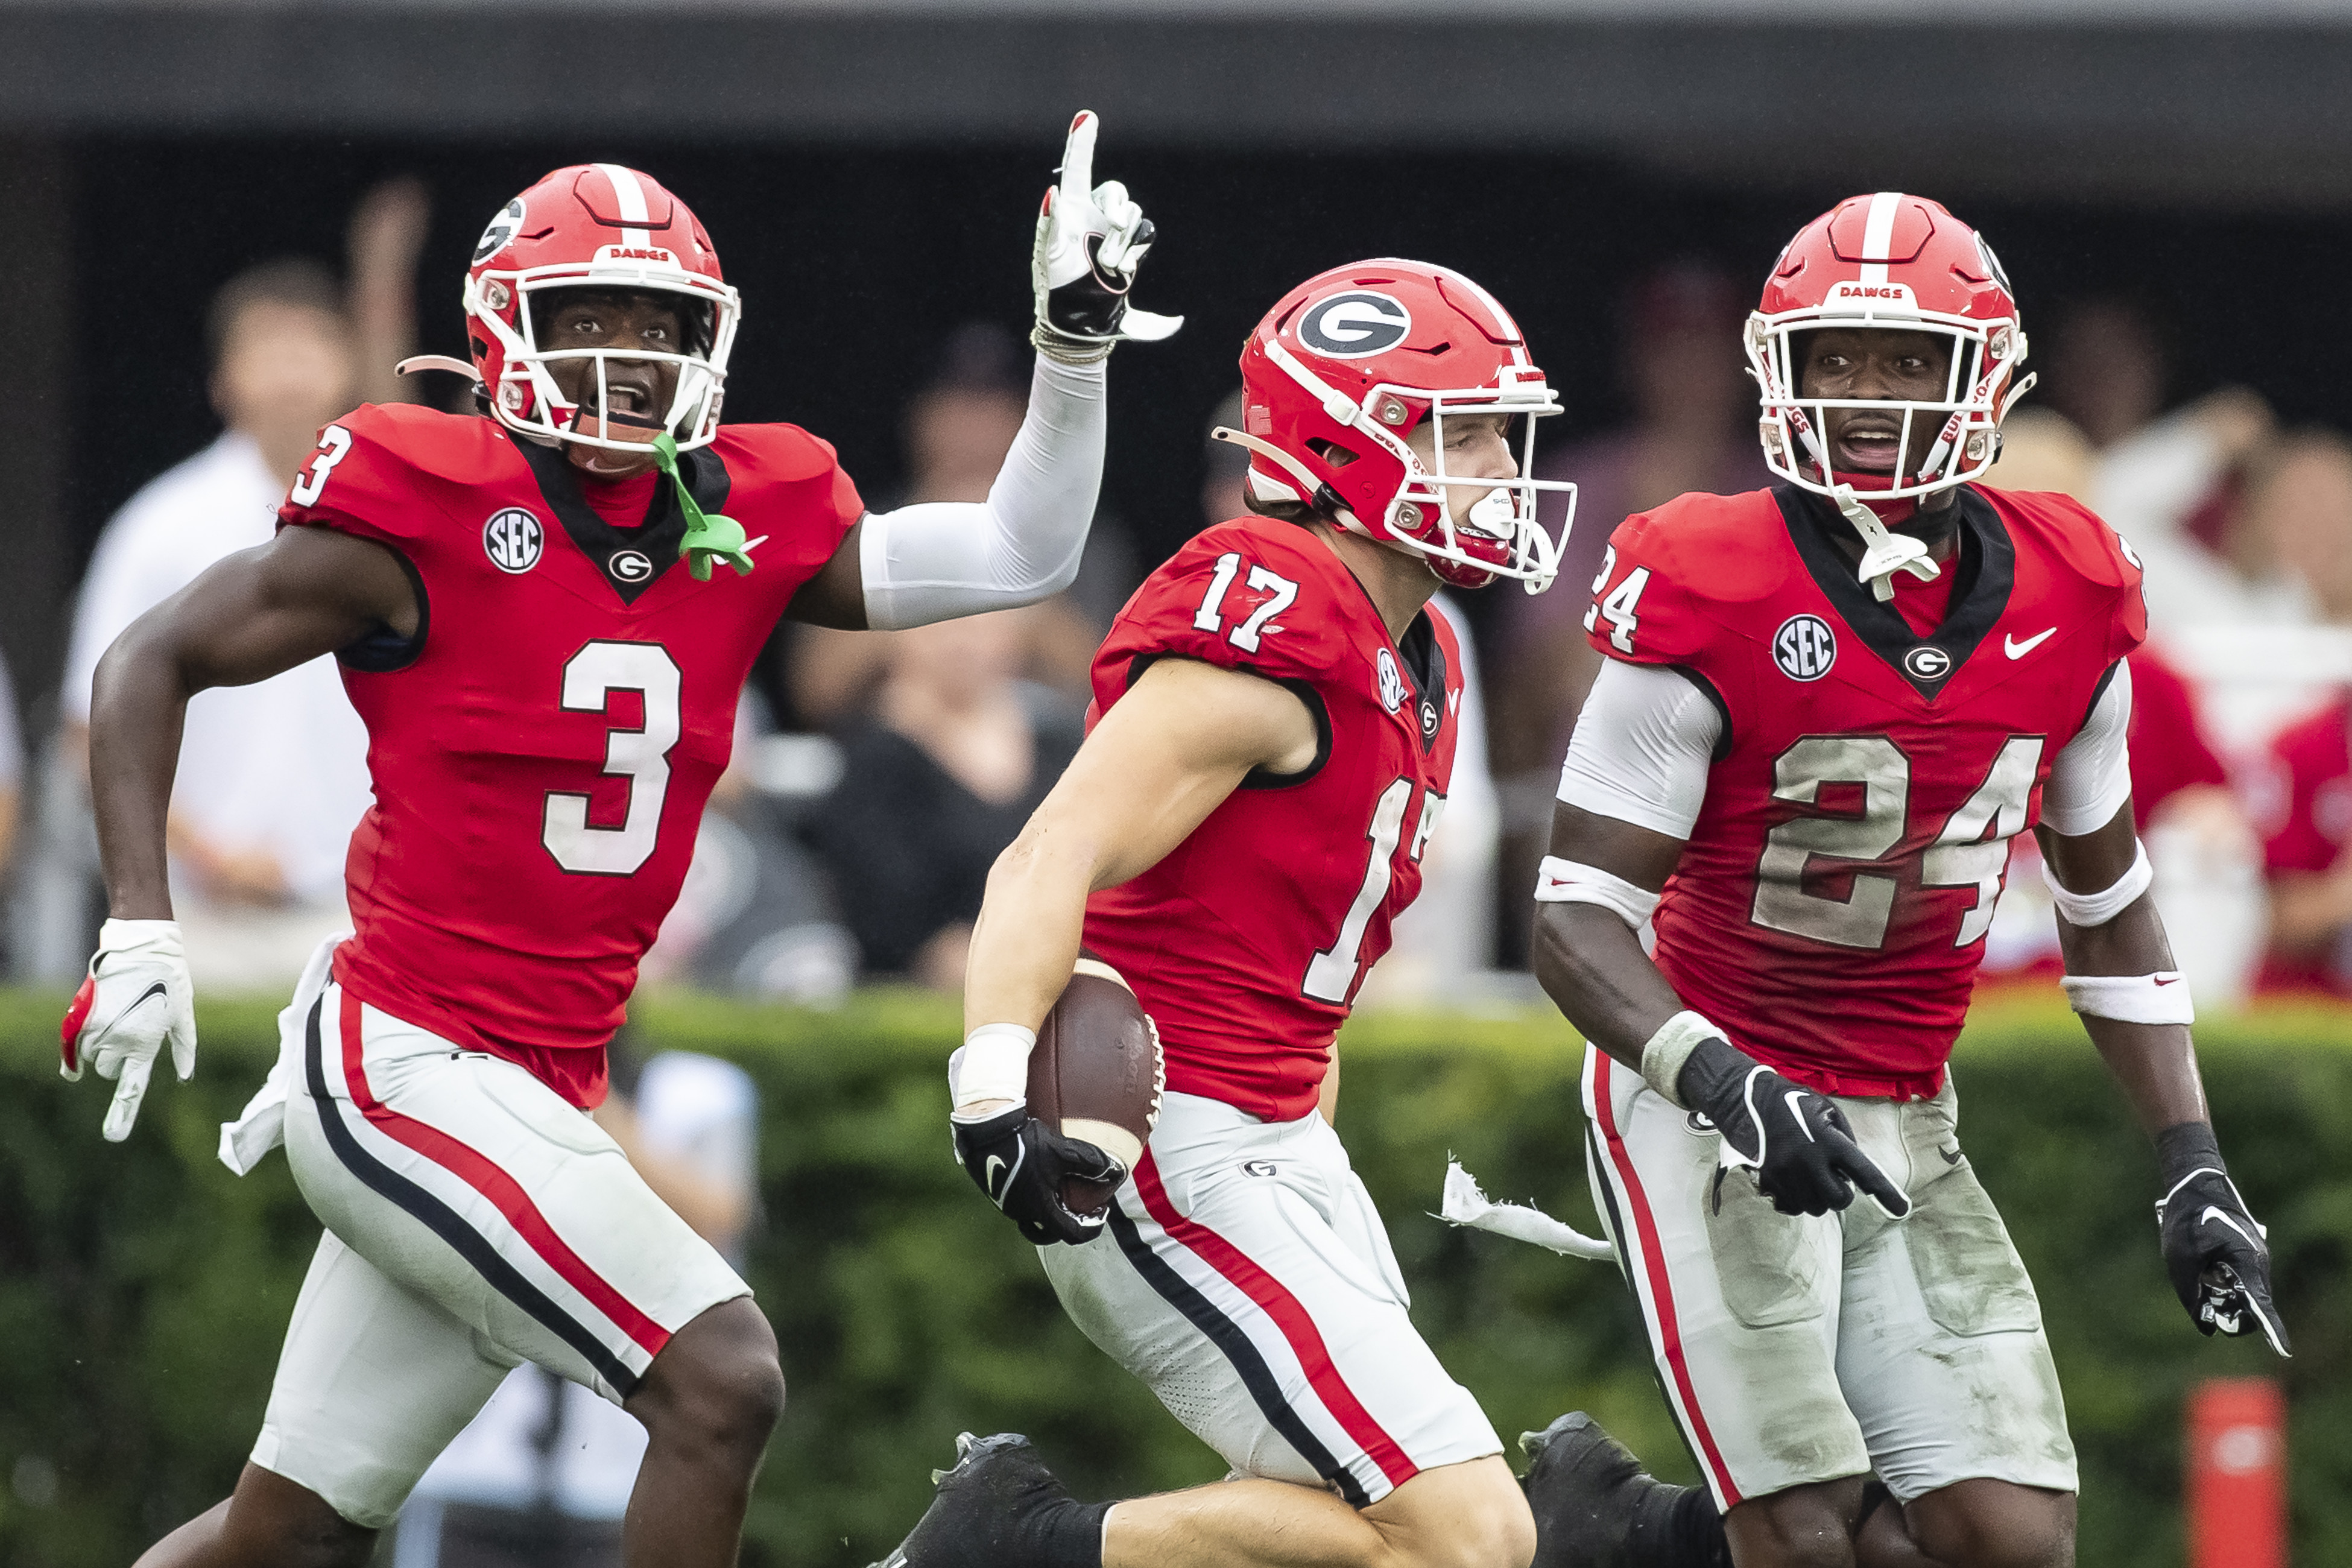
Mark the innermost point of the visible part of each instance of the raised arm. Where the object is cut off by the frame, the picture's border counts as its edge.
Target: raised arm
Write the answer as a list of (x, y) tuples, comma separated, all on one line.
[(938, 559), (1164, 757), (253, 614), (2135, 1007)]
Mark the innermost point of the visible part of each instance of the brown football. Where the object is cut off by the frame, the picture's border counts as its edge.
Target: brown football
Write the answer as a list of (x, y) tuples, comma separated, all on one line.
[(1097, 1074)]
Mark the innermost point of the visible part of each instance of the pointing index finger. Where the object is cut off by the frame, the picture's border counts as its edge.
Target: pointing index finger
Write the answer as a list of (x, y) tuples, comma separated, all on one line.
[(1079, 156)]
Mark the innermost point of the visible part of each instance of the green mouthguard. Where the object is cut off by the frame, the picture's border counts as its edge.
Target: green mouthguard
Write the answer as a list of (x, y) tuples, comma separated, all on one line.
[(708, 538)]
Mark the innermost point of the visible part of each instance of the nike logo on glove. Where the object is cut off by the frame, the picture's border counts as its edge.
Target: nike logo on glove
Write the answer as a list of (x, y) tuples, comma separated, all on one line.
[(988, 1170), (144, 998), (2016, 649), (2213, 1211)]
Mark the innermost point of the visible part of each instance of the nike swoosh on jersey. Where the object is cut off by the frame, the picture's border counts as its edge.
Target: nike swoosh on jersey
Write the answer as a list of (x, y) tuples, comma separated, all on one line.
[(2016, 649), (1951, 1155)]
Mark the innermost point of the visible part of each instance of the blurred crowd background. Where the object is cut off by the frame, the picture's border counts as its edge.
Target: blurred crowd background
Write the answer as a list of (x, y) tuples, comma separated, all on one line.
[(213, 293)]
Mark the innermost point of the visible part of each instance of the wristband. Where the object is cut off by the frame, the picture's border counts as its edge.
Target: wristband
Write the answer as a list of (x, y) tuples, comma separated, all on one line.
[(992, 1063), (2158, 998), (1666, 1053), (2083, 910), (1569, 882)]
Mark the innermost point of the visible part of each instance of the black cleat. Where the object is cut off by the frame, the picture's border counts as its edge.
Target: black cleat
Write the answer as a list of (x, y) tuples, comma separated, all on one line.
[(1595, 1507), (998, 1507)]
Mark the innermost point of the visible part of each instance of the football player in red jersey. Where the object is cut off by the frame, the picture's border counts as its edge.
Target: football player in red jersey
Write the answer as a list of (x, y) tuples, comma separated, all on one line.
[(1826, 710), (1274, 729), (527, 617)]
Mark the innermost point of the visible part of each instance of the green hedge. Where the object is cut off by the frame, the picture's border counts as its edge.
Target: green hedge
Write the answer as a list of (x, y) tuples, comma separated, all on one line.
[(143, 1290)]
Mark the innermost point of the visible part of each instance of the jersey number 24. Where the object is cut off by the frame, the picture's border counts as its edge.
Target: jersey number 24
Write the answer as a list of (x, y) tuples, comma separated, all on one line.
[(1971, 851)]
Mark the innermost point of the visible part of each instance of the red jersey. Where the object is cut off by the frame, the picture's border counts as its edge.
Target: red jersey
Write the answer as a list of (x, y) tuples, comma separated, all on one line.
[(2306, 821), (1247, 944), (1830, 908), (542, 748)]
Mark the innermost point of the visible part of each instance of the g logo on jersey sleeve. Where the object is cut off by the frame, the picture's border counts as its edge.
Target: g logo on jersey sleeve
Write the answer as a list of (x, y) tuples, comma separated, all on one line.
[(1805, 648), (1355, 324), (514, 539)]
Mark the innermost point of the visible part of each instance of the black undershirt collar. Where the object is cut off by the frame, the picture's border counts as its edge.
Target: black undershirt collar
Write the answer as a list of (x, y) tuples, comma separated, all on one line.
[(1985, 565), (631, 560)]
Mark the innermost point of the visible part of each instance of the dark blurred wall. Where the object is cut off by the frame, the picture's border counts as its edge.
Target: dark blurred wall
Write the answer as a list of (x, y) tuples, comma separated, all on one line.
[(40, 512), (853, 264)]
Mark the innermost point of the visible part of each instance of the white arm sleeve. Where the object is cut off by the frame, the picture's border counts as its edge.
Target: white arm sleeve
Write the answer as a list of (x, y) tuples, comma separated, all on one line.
[(1642, 749), (2089, 778), (937, 560)]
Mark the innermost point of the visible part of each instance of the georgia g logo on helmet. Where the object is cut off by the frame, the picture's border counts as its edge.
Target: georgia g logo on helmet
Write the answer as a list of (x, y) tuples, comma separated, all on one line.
[(503, 227), (1354, 325)]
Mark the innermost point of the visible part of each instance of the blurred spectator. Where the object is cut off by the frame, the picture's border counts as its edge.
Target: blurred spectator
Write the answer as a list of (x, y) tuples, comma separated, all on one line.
[(2305, 804), (2198, 840), (755, 915), (272, 776), (936, 779), (542, 1476), (1693, 429), (2297, 527), (957, 432), (12, 769), (2171, 484)]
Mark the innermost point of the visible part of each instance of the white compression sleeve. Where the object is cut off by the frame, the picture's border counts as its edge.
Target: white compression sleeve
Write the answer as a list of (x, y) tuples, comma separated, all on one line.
[(2089, 778), (937, 560), (1642, 750)]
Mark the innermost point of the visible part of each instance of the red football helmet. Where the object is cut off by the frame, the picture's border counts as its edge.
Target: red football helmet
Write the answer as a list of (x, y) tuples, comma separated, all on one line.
[(1347, 366), (597, 226), (1898, 262)]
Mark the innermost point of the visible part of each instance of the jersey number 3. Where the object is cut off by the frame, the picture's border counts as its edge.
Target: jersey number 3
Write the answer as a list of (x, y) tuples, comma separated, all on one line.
[(641, 755)]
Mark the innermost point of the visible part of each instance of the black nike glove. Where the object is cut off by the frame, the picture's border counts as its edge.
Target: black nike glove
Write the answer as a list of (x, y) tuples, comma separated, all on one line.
[(2213, 1249), (1021, 1163), (1798, 1143)]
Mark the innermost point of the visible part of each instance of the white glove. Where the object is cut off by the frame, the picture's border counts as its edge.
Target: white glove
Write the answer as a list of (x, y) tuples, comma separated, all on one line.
[(136, 997), (1090, 240)]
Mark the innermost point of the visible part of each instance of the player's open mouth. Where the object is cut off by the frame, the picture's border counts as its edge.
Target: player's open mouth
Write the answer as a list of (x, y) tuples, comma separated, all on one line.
[(629, 408), (1869, 449)]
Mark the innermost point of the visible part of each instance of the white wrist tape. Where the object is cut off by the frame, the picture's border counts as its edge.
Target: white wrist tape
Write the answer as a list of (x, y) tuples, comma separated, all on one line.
[(159, 937), (2158, 998), (1569, 882), (2083, 910), (1665, 1052), (992, 1063)]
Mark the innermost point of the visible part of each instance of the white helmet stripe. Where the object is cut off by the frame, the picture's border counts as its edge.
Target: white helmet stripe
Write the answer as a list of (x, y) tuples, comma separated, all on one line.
[(631, 199), (1878, 234)]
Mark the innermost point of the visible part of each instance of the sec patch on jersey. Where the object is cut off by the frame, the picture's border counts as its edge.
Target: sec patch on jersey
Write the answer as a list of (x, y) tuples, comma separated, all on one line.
[(1096, 1073)]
